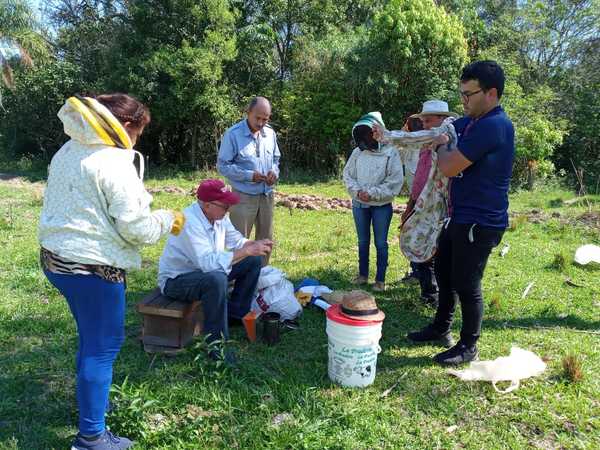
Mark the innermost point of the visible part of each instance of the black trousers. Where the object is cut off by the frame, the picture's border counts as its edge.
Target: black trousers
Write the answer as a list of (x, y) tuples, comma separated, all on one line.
[(425, 272), (462, 255)]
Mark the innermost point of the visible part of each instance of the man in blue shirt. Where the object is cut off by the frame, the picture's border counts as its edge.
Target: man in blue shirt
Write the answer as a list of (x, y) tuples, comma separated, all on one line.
[(249, 159), (480, 171)]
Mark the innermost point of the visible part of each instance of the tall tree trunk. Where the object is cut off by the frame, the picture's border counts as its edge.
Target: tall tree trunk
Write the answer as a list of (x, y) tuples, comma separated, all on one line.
[(194, 146), (531, 170)]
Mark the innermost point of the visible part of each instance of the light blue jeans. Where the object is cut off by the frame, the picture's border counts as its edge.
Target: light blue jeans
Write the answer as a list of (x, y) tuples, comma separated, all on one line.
[(380, 217)]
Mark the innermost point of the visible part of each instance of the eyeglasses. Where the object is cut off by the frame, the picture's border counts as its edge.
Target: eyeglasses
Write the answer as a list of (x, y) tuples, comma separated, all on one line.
[(467, 95), (221, 205)]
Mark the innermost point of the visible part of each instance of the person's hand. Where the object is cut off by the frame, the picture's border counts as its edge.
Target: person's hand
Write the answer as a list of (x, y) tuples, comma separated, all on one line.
[(378, 131), (258, 248), (267, 242), (442, 139), (271, 178), (363, 196), (258, 177)]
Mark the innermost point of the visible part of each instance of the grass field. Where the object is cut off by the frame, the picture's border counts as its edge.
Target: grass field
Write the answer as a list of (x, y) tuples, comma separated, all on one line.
[(281, 396)]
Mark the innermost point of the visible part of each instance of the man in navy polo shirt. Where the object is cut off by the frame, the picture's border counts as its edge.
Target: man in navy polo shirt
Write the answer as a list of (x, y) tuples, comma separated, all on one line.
[(480, 171)]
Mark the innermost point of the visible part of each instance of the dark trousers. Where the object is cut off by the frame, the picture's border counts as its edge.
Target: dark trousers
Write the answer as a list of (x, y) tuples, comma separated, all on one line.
[(462, 255), (211, 289), (425, 273)]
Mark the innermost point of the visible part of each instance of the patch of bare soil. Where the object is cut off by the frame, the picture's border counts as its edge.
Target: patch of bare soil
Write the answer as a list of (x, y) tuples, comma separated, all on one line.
[(290, 201), (171, 190), (590, 219)]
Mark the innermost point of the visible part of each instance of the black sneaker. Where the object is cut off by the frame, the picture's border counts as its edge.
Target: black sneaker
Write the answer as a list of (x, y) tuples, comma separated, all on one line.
[(459, 354), (430, 334), (106, 441)]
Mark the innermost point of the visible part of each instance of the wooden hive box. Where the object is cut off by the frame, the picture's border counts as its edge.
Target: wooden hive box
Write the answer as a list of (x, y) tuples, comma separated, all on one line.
[(168, 324)]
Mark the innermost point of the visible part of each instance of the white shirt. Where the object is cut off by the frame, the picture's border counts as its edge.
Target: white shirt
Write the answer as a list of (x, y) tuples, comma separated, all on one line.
[(200, 246)]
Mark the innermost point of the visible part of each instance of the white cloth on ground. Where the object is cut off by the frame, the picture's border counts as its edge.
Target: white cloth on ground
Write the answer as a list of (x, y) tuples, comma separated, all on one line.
[(518, 365)]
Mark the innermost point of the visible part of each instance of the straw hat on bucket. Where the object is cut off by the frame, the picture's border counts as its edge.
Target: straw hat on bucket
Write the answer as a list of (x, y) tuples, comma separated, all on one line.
[(360, 305)]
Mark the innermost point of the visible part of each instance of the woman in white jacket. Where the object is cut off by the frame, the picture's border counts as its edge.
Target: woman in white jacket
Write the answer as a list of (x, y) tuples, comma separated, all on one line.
[(95, 218), (373, 177)]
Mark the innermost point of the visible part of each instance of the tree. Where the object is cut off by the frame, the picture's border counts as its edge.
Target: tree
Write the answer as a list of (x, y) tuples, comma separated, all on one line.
[(538, 132), (580, 107), (19, 38), (415, 51), (412, 51), (174, 54)]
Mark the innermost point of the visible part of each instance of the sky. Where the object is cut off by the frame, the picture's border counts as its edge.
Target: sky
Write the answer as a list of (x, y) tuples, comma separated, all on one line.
[(36, 4)]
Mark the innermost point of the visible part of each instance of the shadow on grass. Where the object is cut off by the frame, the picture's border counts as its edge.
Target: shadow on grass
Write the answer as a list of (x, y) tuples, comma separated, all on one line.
[(569, 322), (33, 176)]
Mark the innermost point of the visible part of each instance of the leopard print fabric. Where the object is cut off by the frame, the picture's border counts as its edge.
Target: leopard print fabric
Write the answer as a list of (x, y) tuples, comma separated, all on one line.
[(55, 264)]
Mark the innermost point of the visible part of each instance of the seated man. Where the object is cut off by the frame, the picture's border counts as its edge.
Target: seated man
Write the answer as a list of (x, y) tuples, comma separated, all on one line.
[(208, 253)]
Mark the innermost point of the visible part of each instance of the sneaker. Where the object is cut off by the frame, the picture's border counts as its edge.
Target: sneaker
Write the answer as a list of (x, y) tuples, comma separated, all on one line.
[(106, 441), (360, 280), (459, 354), (379, 286), (430, 334)]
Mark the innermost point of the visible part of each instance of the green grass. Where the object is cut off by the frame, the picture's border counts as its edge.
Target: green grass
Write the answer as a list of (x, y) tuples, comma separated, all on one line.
[(184, 403)]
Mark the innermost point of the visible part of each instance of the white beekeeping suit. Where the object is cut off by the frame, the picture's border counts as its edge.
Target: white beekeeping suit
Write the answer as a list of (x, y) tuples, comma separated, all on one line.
[(409, 154)]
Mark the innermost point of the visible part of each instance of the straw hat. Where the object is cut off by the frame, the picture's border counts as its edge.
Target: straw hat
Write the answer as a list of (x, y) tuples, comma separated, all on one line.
[(360, 305), (435, 108)]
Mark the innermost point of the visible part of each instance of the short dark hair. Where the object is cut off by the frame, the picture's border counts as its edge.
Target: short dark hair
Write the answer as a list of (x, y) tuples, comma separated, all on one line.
[(488, 73)]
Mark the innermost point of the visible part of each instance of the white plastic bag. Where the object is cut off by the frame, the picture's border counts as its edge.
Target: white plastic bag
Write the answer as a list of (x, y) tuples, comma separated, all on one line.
[(269, 276), (518, 365), (275, 294), (587, 253)]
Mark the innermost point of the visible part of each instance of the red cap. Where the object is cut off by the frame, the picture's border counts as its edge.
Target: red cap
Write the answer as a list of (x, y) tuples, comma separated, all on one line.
[(216, 191)]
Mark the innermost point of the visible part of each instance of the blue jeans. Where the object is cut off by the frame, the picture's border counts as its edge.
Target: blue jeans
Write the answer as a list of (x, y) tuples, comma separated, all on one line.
[(98, 307), (211, 289), (380, 217)]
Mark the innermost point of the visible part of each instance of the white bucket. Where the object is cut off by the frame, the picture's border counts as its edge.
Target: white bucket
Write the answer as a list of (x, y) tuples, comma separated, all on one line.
[(353, 353)]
